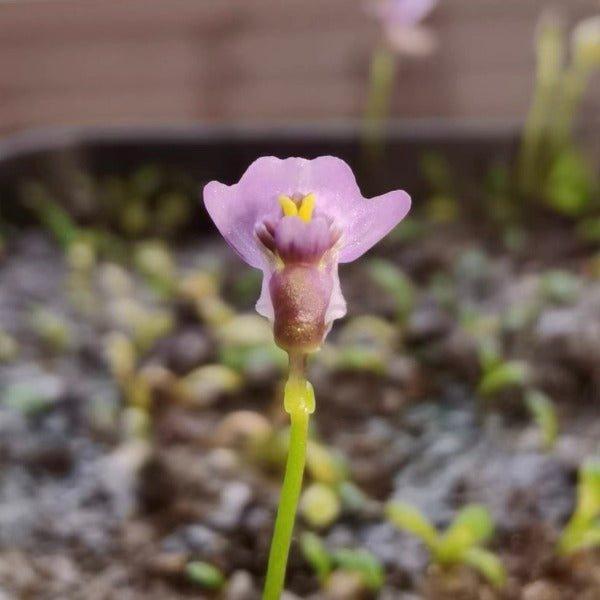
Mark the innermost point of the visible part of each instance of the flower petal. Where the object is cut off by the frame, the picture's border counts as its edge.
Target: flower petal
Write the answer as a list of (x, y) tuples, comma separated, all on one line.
[(297, 241), (401, 12), (237, 209), (337, 303), (264, 304), (371, 220)]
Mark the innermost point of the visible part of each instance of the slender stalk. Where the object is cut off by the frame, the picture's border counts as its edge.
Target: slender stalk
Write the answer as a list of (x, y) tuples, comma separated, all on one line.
[(383, 70), (533, 135), (550, 54), (574, 84), (299, 403)]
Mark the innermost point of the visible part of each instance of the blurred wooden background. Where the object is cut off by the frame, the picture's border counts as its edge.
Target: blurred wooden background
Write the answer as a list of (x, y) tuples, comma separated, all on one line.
[(132, 61)]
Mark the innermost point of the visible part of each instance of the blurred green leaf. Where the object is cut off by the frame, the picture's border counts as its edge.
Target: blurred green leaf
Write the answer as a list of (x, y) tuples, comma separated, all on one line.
[(542, 410), (473, 525), (487, 564), (581, 530), (24, 398), (54, 218), (589, 229), (591, 537), (588, 490), (352, 497), (315, 554), (204, 574), (505, 375), (362, 562), (560, 286), (437, 172), (413, 521), (393, 281), (571, 183)]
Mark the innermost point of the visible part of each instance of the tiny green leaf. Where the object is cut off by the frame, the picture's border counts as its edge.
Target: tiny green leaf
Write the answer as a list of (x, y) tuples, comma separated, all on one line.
[(362, 562), (487, 564), (319, 505), (591, 537), (588, 490), (414, 521), (25, 398), (560, 286), (315, 554), (571, 183), (472, 525), (352, 497), (542, 410), (204, 574), (581, 530), (393, 281), (505, 375)]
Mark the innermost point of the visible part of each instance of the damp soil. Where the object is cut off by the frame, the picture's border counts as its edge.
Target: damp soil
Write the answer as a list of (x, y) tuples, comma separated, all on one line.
[(91, 511)]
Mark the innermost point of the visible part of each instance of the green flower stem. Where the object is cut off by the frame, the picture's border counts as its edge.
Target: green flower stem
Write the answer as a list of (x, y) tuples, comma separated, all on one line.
[(299, 402), (550, 52), (574, 84), (383, 71), (533, 136)]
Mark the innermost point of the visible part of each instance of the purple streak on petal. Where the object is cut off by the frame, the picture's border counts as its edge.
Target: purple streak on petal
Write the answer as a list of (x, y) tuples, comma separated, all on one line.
[(370, 220)]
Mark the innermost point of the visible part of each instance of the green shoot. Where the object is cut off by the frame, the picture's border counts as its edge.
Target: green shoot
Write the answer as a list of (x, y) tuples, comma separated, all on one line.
[(571, 183), (459, 544), (583, 529), (487, 564), (316, 554), (472, 526), (319, 505), (542, 410), (560, 286), (54, 218), (359, 561), (395, 283), (507, 374), (362, 562), (204, 575), (550, 55), (414, 521)]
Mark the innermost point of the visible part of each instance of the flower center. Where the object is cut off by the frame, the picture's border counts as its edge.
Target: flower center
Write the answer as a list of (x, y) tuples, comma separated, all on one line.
[(302, 207)]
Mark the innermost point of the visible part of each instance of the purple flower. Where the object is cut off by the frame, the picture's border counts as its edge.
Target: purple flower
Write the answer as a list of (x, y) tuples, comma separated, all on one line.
[(400, 20), (403, 13), (296, 219)]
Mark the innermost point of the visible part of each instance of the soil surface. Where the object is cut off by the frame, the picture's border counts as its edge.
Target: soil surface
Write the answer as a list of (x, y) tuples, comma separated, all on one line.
[(111, 483)]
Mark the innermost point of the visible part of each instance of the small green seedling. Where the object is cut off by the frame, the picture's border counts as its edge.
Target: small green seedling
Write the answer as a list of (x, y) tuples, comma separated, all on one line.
[(25, 399), (542, 409), (395, 283), (317, 556), (325, 562), (560, 287), (500, 374), (362, 562), (54, 218), (506, 374), (320, 505), (51, 328), (459, 544), (583, 529), (204, 574)]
